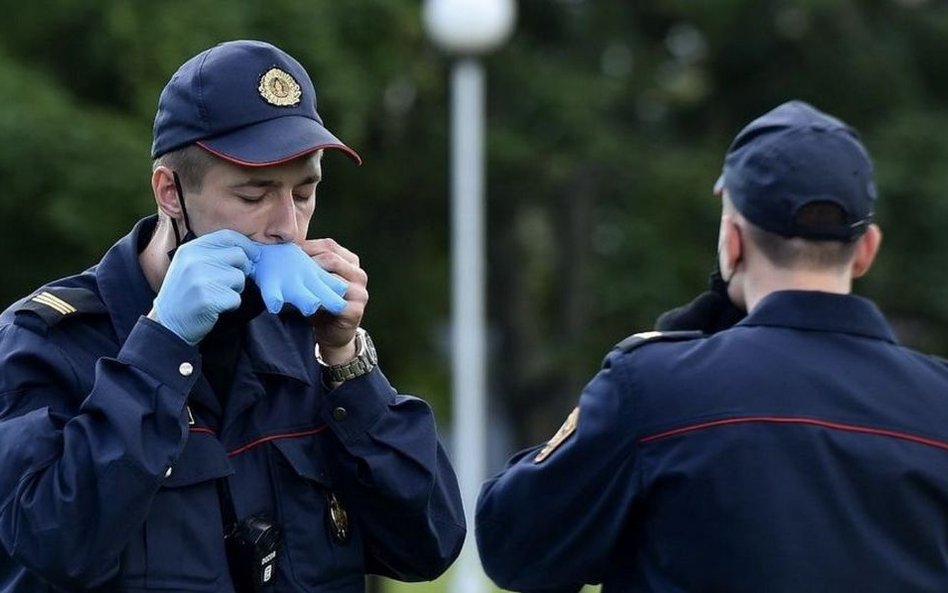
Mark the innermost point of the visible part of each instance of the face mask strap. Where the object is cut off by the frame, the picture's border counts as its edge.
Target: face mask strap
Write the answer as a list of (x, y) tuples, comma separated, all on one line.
[(184, 212), (189, 234)]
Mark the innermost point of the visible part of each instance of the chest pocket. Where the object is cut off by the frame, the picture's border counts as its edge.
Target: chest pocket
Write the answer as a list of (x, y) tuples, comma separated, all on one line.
[(309, 516), (181, 546)]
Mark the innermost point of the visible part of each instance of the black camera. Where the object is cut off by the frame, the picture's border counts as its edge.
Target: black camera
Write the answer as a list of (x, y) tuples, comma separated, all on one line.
[(253, 549)]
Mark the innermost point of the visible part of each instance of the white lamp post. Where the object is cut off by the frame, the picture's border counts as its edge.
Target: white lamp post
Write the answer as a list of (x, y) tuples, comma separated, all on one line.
[(467, 29)]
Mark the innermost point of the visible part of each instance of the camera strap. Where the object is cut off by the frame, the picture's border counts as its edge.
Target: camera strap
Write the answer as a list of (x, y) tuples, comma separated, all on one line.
[(242, 581), (228, 514)]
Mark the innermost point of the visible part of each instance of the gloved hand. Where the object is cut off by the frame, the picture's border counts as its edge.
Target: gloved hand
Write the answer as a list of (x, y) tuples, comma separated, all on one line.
[(285, 274), (711, 311), (204, 280)]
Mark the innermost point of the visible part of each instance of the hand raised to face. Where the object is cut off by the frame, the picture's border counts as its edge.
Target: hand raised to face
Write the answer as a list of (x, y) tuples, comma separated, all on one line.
[(285, 274), (205, 279)]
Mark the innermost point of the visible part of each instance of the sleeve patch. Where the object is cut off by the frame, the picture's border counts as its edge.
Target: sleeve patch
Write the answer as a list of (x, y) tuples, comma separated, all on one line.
[(567, 429)]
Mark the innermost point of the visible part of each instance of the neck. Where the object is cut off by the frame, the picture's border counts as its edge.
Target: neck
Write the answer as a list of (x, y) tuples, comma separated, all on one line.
[(154, 258), (757, 286)]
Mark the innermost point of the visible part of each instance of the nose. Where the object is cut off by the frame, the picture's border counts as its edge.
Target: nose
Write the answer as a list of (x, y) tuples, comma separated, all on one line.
[(283, 226)]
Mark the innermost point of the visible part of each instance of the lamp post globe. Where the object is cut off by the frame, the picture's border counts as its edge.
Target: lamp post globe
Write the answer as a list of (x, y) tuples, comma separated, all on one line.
[(469, 27)]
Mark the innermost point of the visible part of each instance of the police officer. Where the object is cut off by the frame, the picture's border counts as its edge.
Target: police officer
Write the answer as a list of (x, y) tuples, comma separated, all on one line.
[(159, 429), (803, 449)]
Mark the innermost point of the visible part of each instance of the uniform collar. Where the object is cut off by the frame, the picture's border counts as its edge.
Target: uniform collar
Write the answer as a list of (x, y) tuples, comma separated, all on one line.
[(274, 344), (821, 311), (280, 345), (122, 283)]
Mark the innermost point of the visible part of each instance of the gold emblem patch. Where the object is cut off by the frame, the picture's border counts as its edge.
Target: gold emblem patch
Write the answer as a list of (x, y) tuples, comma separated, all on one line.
[(339, 518), (568, 428), (279, 88)]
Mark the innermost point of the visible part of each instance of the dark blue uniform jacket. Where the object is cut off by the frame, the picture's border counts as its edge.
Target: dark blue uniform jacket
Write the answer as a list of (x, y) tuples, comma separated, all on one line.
[(803, 450), (111, 451)]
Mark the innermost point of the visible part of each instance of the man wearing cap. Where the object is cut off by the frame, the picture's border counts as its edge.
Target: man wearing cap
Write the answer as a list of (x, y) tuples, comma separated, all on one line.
[(201, 411), (802, 449)]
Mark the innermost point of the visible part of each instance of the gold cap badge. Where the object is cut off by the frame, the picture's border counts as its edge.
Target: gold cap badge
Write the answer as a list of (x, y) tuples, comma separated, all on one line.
[(279, 88)]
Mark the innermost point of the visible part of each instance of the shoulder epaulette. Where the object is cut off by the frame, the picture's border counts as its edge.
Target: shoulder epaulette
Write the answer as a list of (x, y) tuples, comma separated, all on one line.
[(636, 340), (55, 303)]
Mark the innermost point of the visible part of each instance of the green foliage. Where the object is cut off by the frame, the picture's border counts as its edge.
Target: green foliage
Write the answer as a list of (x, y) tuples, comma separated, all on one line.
[(71, 176), (608, 122)]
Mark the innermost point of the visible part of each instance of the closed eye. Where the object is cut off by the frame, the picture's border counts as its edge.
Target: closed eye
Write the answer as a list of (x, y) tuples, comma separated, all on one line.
[(248, 199), (304, 193)]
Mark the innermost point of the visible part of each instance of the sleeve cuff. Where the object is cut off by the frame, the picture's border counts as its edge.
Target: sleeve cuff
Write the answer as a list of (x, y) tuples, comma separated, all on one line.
[(156, 350), (353, 407)]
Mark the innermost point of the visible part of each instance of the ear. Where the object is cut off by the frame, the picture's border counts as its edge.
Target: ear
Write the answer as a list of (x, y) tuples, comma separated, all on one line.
[(730, 246), (867, 247), (166, 195)]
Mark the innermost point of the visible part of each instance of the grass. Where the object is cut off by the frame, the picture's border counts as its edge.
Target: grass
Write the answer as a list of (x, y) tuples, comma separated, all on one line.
[(443, 585), (439, 585)]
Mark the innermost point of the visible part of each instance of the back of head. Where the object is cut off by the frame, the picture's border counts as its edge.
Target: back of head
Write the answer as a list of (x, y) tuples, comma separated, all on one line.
[(803, 180)]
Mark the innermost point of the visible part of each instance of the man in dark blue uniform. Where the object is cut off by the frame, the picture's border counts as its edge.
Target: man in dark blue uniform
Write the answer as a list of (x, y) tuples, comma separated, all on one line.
[(803, 449), (160, 430)]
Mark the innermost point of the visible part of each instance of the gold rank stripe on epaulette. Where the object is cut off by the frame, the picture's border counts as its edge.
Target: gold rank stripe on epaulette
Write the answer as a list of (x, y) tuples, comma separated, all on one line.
[(636, 340), (647, 335), (567, 429), (54, 302)]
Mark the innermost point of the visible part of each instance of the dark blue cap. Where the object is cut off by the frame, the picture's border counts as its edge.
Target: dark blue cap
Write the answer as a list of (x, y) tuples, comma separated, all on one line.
[(245, 101), (796, 155)]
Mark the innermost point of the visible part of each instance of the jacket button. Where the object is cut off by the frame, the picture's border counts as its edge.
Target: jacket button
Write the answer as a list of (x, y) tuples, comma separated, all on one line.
[(186, 369), (339, 414), (168, 472)]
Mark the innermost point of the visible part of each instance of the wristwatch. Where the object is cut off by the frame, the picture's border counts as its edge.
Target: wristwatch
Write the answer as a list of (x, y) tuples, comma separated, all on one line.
[(365, 360)]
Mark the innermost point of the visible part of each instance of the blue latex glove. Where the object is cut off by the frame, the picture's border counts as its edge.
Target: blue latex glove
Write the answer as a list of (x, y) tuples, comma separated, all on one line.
[(205, 279), (285, 274)]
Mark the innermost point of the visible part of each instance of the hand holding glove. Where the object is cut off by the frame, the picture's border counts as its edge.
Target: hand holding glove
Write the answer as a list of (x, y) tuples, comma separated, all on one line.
[(711, 311), (286, 274), (205, 279)]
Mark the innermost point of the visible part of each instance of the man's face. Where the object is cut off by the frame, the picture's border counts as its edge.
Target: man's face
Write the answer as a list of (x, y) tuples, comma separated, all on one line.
[(268, 204)]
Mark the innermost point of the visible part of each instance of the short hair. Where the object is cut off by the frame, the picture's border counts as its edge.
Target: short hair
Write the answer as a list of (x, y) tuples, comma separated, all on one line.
[(191, 163), (796, 252)]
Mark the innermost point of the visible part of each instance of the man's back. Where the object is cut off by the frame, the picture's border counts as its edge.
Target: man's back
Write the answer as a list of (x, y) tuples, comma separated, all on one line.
[(802, 450), (813, 457)]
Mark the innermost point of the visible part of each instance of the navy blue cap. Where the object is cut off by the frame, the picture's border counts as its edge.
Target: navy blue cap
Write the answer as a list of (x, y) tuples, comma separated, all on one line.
[(245, 101), (795, 155)]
